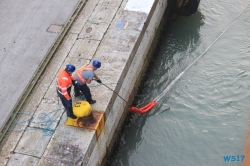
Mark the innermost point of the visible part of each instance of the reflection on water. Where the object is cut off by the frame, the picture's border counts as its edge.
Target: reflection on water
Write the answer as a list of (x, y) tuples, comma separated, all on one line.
[(204, 116)]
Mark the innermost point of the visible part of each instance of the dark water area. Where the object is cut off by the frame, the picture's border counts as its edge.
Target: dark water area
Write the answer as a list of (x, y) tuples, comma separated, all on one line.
[(204, 115)]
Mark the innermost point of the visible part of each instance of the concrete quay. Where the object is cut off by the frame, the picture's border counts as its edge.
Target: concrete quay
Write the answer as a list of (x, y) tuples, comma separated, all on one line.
[(118, 33)]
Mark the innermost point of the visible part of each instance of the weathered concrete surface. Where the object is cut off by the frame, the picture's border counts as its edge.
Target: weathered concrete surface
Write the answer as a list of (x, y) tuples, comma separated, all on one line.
[(33, 142), (120, 40), (24, 42), (84, 49), (21, 160), (68, 146), (47, 114)]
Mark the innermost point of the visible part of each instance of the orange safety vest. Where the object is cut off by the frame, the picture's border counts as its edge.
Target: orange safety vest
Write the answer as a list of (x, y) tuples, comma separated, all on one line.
[(64, 83), (79, 72)]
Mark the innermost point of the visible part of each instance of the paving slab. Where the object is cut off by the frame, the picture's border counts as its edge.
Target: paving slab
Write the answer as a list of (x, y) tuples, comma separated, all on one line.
[(118, 41), (103, 14), (78, 62), (51, 92), (129, 20), (115, 3), (21, 160), (48, 114), (33, 142), (84, 48), (111, 63), (68, 146), (94, 31), (84, 16), (24, 39)]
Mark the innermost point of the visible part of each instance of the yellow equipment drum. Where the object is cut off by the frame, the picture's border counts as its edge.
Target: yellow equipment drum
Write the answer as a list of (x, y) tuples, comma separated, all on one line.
[(82, 108)]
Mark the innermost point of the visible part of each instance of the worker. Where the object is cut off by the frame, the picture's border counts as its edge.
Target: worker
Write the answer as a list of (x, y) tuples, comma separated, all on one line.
[(64, 83), (84, 76)]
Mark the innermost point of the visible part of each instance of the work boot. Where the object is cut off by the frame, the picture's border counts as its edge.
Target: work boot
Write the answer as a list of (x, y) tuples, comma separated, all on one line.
[(92, 102)]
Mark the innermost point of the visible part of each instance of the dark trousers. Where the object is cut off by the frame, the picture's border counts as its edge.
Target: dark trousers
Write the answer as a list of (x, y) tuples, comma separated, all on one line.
[(84, 89), (66, 103)]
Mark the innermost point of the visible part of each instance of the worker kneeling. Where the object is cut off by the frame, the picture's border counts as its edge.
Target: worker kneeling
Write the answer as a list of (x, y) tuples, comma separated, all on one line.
[(82, 108)]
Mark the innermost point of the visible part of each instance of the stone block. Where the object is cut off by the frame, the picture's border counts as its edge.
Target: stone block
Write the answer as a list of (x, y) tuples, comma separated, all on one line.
[(84, 16), (103, 14), (48, 114), (33, 142), (112, 3), (94, 31), (78, 62), (118, 41), (21, 160), (84, 48), (131, 20)]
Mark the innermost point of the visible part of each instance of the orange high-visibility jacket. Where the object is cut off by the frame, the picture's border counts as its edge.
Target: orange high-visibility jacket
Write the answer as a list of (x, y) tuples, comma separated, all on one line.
[(64, 83), (79, 72)]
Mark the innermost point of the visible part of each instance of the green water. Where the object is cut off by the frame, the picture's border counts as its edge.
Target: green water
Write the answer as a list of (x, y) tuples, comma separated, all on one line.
[(205, 114)]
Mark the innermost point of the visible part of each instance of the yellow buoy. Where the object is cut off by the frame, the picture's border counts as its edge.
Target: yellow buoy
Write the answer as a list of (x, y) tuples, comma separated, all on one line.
[(82, 108)]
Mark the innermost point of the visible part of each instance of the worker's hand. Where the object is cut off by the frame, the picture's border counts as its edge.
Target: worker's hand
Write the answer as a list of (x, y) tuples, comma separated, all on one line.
[(99, 81)]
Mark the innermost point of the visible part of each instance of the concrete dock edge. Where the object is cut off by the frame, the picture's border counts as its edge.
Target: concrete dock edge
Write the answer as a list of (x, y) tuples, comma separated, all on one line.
[(123, 51)]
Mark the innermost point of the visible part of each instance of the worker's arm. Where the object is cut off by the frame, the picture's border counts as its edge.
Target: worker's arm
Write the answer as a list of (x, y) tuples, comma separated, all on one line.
[(97, 79), (64, 90), (88, 81)]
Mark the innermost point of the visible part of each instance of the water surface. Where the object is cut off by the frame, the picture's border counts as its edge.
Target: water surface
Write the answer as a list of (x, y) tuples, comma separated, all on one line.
[(204, 115)]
